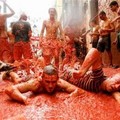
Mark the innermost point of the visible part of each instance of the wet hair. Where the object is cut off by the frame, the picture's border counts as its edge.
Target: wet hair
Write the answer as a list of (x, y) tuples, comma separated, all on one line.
[(50, 70), (22, 16), (100, 49), (113, 3), (53, 9), (102, 13)]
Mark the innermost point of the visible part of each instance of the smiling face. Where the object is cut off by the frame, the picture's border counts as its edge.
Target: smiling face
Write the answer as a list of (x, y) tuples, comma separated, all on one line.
[(49, 82)]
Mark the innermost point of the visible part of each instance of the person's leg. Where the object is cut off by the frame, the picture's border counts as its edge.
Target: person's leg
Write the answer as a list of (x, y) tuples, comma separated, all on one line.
[(101, 46), (27, 51), (47, 54), (7, 57), (57, 52), (17, 51), (15, 78), (108, 48), (57, 57), (110, 57), (66, 60), (118, 41)]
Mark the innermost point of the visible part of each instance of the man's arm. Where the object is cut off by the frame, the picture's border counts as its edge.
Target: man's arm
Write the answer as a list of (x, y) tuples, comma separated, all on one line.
[(42, 30), (96, 32), (68, 87), (115, 19), (110, 29), (85, 33), (11, 10), (15, 91)]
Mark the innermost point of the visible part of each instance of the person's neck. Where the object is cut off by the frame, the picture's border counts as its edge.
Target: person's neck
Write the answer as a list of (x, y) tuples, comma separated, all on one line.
[(106, 19), (52, 19)]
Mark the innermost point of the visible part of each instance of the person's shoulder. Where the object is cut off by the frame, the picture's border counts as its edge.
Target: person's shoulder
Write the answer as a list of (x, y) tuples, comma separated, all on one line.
[(94, 51), (60, 81), (16, 21), (26, 22), (58, 22), (45, 21), (109, 20), (2, 15)]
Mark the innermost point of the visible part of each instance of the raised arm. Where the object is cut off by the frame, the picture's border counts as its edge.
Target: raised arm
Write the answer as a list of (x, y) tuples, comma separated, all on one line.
[(11, 10)]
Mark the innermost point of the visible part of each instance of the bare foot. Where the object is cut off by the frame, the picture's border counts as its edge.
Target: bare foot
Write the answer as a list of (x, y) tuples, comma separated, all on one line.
[(116, 95)]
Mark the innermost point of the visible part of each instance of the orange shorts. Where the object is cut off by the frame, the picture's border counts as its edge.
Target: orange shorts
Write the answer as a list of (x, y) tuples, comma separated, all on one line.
[(50, 47), (22, 49)]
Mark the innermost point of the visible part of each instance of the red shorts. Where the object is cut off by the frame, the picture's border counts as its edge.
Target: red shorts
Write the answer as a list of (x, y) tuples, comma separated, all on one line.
[(50, 47), (22, 49)]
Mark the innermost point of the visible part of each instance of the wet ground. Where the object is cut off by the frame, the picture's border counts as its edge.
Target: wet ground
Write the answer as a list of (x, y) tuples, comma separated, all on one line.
[(89, 106)]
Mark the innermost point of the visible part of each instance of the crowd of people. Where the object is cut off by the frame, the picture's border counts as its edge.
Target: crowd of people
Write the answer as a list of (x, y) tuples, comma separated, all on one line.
[(56, 67)]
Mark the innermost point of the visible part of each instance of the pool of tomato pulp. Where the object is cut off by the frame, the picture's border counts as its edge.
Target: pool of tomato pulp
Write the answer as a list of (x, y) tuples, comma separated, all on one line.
[(89, 106)]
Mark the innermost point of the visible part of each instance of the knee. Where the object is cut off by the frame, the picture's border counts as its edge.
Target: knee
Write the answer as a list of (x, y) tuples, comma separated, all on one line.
[(9, 90), (5, 76)]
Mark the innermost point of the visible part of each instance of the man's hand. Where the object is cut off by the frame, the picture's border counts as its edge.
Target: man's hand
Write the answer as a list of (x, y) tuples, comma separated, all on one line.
[(76, 75), (74, 96), (27, 101), (78, 92)]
